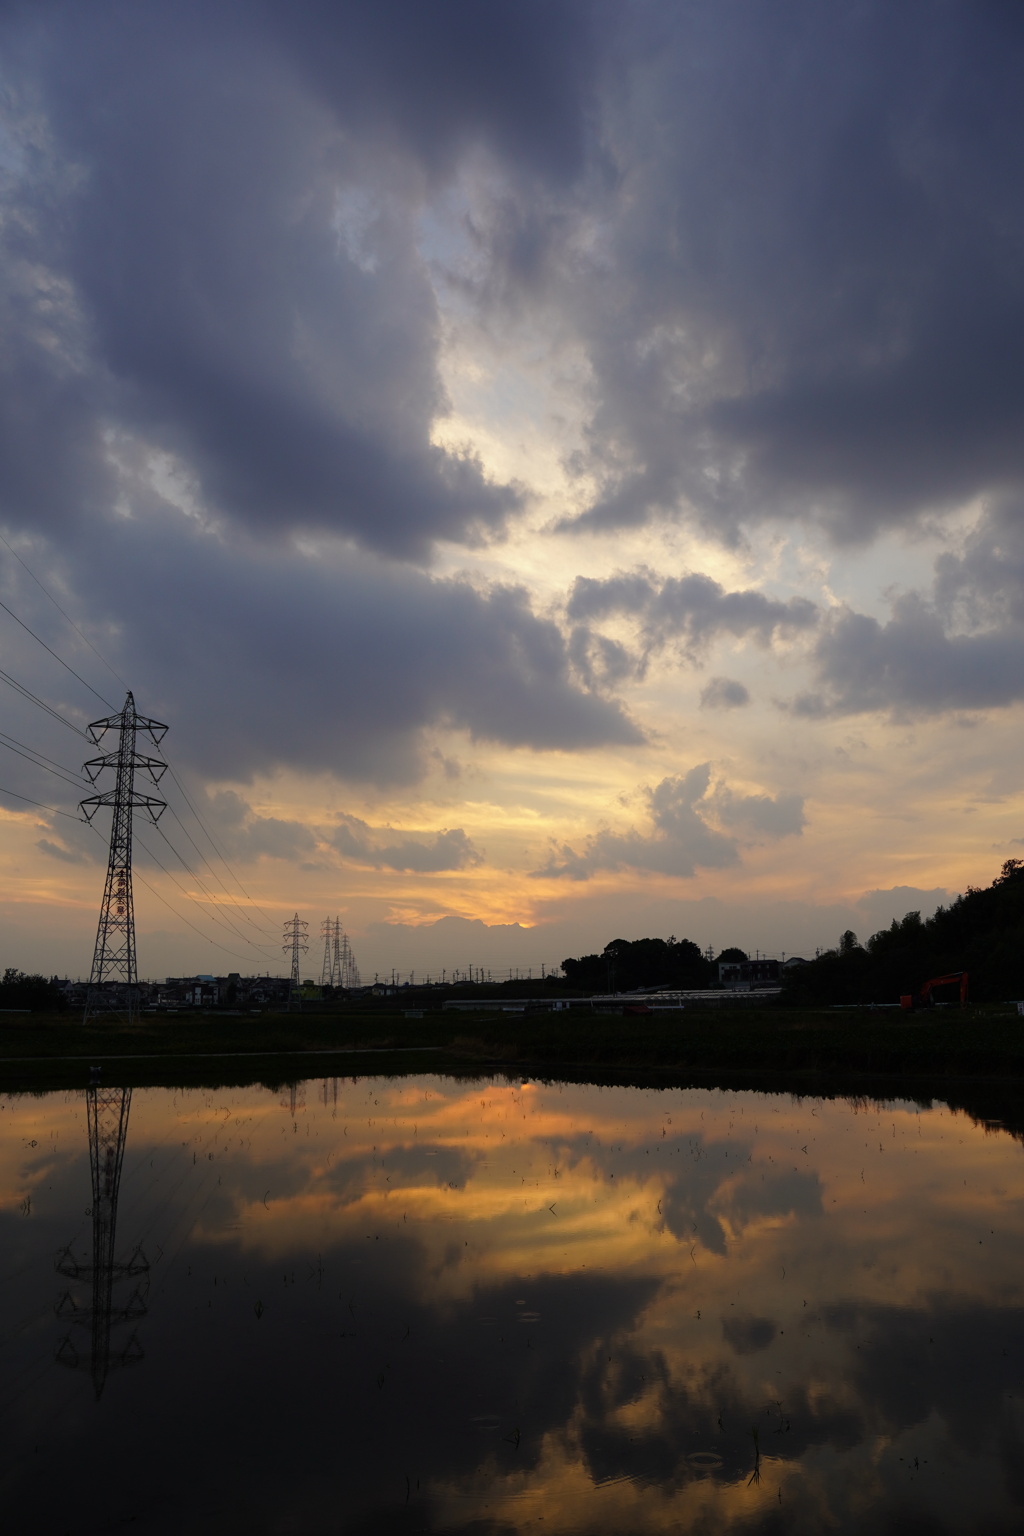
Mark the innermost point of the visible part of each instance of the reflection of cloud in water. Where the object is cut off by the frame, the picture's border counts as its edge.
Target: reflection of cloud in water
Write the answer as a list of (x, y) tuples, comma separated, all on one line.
[(748, 1335), (401, 1167), (522, 1334)]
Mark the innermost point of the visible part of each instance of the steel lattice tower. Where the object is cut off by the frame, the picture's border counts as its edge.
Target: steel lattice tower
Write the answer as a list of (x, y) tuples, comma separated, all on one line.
[(114, 956), (348, 971), (295, 940), (108, 1110), (329, 933), (340, 968)]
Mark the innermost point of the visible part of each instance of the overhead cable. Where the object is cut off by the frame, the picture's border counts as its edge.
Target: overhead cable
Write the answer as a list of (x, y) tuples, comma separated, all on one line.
[(53, 653), (63, 611), (51, 808), (34, 698)]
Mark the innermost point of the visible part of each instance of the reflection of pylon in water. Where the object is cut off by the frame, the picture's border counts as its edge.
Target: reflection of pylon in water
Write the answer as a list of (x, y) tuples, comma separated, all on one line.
[(96, 1313), (296, 1101)]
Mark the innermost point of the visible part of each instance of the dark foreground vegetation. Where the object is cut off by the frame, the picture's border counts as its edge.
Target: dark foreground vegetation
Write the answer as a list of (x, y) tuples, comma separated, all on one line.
[(982, 932), (986, 1041)]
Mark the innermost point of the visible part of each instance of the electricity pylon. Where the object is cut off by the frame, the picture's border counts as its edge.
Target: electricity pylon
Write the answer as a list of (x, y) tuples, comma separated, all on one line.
[(108, 1110), (114, 956), (329, 930), (348, 971), (339, 977), (295, 940)]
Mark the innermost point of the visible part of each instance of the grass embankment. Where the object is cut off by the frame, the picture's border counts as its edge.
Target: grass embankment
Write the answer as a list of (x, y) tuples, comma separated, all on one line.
[(984, 1041)]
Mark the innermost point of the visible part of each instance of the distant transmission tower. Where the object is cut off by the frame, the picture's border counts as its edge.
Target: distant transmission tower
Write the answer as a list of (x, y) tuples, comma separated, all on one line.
[(348, 971), (329, 929), (295, 940), (336, 966), (114, 956), (96, 1313)]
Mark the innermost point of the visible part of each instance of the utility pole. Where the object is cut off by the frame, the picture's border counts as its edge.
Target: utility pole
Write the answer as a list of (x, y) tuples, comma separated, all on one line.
[(108, 1110), (114, 956), (295, 940)]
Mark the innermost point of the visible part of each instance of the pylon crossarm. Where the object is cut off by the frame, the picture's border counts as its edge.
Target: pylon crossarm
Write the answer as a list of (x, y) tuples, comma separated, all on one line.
[(95, 766), (154, 728), (154, 766), (98, 727)]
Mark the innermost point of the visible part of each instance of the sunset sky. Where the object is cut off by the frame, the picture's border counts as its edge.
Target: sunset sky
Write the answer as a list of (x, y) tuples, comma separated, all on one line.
[(556, 469)]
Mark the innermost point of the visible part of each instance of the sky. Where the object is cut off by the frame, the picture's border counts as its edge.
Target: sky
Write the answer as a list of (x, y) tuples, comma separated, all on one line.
[(556, 468)]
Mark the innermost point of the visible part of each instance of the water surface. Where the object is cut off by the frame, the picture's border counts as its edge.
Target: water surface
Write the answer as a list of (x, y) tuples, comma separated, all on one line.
[(422, 1304)]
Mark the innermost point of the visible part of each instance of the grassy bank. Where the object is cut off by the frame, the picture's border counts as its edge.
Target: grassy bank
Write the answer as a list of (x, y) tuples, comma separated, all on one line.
[(984, 1041)]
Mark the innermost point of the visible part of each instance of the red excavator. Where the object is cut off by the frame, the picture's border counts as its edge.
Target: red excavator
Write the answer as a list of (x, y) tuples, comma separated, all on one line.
[(924, 998)]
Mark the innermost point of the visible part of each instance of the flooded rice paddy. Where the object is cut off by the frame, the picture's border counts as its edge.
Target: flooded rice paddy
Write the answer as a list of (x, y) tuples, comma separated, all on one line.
[(425, 1304)]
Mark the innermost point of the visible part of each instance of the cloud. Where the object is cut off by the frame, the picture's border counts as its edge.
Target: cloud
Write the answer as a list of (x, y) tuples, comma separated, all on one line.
[(881, 907), (800, 302), (420, 852), (688, 611), (680, 840), (55, 851), (329, 660), (781, 815), (747, 1335), (185, 282), (245, 836), (724, 693), (791, 268), (911, 664)]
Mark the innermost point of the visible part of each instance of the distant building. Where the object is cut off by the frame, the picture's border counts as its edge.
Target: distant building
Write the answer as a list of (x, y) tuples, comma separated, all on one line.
[(740, 974)]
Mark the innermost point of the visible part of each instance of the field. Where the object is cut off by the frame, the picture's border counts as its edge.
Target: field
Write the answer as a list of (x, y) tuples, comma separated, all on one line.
[(978, 1041)]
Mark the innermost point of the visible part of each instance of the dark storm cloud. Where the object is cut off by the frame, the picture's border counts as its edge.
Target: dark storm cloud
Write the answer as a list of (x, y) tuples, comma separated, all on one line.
[(796, 265), (911, 665), (687, 611), (342, 665), (785, 240), (420, 852), (261, 661), (443, 75), (201, 256), (789, 243), (681, 840)]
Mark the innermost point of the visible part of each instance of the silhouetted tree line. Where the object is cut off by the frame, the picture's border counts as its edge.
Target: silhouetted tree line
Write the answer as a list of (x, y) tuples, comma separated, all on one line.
[(17, 990), (982, 932), (625, 964)]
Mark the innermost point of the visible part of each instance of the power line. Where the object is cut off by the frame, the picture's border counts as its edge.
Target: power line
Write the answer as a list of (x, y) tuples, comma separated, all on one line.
[(51, 808), (216, 850), (34, 698), (53, 600), (224, 922), (170, 907), (213, 872), (205, 888), (28, 694), (53, 653), (38, 761)]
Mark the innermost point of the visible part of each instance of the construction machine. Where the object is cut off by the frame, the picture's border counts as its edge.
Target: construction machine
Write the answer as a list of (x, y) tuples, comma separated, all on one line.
[(924, 999)]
